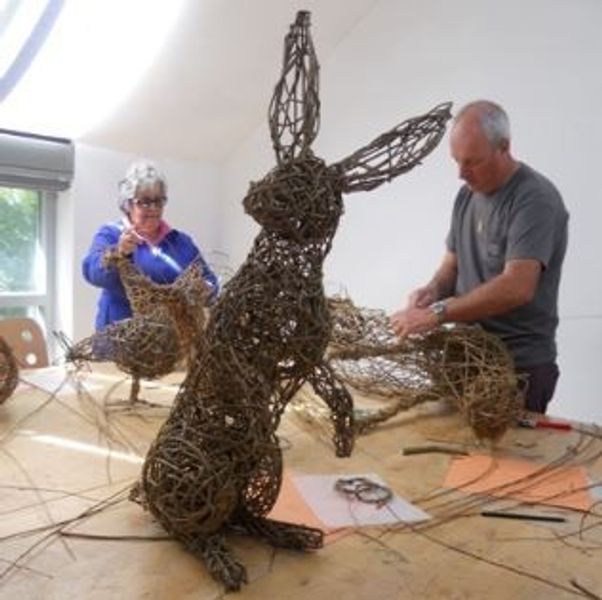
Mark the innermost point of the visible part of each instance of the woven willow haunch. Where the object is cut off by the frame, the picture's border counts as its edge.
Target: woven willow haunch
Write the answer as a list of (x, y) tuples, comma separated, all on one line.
[(216, 465), (9, 371), (167, 321), (464, 365)]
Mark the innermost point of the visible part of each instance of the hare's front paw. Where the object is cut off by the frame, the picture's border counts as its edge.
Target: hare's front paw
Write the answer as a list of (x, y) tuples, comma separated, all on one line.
[(232, 575), (344, 444), (219, 561)]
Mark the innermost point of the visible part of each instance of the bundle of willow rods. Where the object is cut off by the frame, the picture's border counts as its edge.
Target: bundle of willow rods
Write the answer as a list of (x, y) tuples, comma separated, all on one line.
[(9, 371), (464, 365)]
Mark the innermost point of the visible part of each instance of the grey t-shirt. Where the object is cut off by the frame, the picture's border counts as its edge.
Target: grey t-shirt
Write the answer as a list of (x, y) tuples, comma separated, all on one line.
[(524, 219)]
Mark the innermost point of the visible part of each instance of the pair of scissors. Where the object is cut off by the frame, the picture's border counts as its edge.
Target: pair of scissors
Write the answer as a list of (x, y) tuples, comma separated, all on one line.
[(364, 490)]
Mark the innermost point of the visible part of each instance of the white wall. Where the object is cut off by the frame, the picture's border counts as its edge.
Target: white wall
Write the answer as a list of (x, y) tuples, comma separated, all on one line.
[(193, 190), (540, 59)]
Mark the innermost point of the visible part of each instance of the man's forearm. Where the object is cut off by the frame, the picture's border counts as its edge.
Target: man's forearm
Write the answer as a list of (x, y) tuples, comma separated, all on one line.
[(495, 297), (443, 284), (442, 287)]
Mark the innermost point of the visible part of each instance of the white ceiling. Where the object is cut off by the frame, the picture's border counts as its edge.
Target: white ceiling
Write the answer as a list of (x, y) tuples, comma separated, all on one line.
[(210, 86)]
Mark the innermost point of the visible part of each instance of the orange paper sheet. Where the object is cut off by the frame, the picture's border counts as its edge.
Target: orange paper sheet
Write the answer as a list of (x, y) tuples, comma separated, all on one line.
[(514, 479), (291, 507)]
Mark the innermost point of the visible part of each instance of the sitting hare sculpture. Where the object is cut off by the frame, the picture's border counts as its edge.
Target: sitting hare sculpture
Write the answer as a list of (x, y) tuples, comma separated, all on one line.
[(216, 465)]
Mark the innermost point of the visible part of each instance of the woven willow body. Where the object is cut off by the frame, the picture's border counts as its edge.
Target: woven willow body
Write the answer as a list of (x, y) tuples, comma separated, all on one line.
[(464, 365), (216, 464)]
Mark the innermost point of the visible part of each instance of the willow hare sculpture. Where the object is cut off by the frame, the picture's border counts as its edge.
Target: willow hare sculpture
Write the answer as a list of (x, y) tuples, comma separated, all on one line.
[(216, 465)]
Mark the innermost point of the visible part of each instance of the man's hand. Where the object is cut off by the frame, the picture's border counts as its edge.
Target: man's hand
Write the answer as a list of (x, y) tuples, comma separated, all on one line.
[(422, 297), (413, 320)]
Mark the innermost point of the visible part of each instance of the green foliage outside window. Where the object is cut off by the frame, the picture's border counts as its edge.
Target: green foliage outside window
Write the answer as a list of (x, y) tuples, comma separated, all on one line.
[(19, 239)]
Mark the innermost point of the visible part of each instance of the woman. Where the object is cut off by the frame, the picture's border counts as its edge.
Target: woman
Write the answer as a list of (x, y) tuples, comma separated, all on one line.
[(159, 251)]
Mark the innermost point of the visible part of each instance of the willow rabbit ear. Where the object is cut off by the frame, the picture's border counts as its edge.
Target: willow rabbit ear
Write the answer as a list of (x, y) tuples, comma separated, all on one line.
[(294, 112), (394, 152)]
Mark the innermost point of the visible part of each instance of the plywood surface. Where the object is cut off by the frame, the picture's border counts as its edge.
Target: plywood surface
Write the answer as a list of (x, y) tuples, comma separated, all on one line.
[(72, 456)]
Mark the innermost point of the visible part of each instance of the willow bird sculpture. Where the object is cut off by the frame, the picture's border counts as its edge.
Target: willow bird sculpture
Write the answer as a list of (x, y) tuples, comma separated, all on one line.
[(167, 320), (216, 465)]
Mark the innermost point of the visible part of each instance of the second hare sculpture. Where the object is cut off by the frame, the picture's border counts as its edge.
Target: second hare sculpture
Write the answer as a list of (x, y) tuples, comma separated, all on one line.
[(216, 465)]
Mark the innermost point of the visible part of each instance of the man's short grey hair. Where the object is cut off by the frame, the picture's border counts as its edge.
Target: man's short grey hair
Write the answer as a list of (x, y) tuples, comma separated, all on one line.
[(140, 174), (492, 118)]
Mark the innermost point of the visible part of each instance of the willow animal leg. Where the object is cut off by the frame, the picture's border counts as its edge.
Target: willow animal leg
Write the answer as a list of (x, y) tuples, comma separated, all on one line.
[(134, 389), (340, 402), (218, 559), (262, 486), (258, 498), (281, 534), (134, 401)]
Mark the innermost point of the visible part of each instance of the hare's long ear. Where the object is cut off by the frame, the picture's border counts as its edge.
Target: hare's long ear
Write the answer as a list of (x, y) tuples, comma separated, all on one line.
[(393, 152), (294, 113)]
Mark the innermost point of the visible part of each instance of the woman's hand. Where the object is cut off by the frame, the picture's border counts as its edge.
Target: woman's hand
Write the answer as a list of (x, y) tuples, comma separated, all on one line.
[(128, 241)]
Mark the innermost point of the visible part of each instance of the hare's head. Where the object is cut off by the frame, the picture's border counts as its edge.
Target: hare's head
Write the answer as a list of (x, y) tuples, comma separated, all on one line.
[(301, 197), (297, 200)]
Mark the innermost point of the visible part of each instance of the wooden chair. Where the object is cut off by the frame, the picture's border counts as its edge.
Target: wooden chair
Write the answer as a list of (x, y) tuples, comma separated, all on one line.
[(26, 340)]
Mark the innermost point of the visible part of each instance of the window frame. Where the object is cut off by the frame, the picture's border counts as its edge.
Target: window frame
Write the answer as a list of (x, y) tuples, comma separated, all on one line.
[(45, 301)]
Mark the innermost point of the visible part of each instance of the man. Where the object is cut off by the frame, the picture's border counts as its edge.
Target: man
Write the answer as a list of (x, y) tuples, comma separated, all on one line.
[(504, 255)]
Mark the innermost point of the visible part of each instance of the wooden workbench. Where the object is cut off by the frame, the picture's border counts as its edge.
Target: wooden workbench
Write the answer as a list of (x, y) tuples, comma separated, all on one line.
[(67, 456)]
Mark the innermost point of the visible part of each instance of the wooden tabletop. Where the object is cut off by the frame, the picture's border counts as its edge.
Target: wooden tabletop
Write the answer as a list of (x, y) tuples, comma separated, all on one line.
[(68, 530)]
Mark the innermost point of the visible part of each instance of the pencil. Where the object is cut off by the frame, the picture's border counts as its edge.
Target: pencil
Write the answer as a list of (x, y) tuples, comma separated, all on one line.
[(525, 516)]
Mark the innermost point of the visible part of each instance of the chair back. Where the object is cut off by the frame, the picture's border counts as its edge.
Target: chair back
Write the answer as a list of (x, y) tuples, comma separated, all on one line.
[(26, 340)]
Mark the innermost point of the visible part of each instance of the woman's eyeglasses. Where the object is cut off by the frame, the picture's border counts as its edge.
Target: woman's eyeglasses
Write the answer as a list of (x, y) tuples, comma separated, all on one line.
[(147, 202)]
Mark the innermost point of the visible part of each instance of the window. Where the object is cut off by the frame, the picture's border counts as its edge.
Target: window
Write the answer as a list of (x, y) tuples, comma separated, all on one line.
[(24, 27), (33, 168), (27, 225)]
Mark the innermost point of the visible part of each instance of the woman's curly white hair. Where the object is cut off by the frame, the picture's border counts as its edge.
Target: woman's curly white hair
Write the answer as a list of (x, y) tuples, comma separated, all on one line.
[(140, 174)]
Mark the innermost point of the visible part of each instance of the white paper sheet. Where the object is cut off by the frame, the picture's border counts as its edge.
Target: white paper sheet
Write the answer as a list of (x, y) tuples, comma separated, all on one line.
[(335, 509)]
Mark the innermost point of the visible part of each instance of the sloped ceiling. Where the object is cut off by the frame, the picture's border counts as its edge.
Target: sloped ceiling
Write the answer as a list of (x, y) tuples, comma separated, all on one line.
[(211, 85)]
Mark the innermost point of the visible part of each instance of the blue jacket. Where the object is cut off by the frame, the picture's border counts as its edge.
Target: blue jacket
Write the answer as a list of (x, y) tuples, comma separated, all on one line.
[(162, 263)]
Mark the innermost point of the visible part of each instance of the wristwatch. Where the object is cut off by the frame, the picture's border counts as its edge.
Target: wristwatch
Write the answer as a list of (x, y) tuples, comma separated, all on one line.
[(439, 308)]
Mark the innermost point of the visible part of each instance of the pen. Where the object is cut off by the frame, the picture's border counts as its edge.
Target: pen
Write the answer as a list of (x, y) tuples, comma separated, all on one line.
[(524, 516), (545, 424)]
